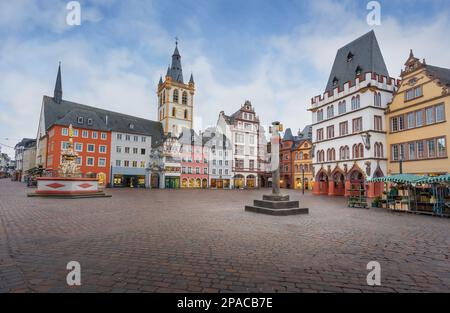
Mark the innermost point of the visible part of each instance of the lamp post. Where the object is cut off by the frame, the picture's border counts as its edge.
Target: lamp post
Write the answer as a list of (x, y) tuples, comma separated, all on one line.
[(303, 179)]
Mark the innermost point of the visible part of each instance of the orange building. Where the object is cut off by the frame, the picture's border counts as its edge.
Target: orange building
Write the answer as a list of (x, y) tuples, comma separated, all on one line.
[(92, 146)]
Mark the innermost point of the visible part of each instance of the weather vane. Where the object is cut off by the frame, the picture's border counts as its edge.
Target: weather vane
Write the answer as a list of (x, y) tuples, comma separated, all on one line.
[(176, 40)]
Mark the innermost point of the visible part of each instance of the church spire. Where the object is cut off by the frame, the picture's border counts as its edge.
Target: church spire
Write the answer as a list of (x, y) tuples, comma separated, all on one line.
[(57, 95), (176, 72), (191, 80)]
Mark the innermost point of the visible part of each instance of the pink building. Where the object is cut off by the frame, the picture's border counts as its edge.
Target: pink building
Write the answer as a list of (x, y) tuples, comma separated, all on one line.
[(194, 160)]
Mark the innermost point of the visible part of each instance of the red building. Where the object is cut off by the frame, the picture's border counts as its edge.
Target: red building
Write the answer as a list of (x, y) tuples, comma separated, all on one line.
[(286, 177), (92, 146), (194, 160)]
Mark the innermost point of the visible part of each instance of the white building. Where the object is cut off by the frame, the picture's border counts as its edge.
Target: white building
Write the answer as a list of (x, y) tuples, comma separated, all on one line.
[(220, 159), (349, 132), (130, 152), (25, 156), (243, 129)]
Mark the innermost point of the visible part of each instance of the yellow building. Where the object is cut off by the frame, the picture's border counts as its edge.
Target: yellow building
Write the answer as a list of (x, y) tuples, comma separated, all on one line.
[(418, 119), (301, 157)]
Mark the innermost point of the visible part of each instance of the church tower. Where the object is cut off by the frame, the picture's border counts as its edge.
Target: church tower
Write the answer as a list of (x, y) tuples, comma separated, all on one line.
[(175, 98)]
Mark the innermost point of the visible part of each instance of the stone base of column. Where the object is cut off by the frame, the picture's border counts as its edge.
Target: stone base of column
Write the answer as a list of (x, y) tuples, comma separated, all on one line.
[(278, 205)]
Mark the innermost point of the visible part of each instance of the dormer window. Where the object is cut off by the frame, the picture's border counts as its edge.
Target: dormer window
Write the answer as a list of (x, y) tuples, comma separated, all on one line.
[(80, 120), (350, 57), (358, 71), (131, 126), (335, 81), (89, 121)]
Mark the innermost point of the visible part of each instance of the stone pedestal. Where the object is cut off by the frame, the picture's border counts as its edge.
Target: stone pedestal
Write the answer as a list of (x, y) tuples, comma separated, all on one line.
[(64, 187), (279, 205)]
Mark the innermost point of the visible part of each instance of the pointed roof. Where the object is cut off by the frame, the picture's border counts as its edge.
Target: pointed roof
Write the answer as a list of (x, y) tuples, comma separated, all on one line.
[(191, 80), (175, 71), (364, 53), (160, 80), (288, 135), (57, 94)]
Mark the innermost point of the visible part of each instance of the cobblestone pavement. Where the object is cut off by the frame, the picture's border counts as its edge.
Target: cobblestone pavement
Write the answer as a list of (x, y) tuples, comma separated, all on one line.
[(204, 241)]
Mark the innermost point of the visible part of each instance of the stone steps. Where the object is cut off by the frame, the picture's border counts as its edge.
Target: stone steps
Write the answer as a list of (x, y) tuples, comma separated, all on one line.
[(276, 204), (276, 212)]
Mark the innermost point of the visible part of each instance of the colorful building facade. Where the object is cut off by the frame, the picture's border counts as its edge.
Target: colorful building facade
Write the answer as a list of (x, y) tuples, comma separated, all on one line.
[(92, 146), (194, 160), (302, 169), (243, 129), (419, 120), (93, 131)]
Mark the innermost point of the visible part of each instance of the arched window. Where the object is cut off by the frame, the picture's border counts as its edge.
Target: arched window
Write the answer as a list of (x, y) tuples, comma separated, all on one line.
[(361, 150), (174, 112), (358, 101), (342, 107), (186, 114), (175, 96), (301, 155), (164, 96), (320, 115), (355, 151), (184, 98), (330, 111), (378, 150)]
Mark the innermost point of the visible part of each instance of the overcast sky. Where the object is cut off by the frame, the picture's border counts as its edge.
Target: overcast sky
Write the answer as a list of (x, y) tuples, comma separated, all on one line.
[(277, 54)]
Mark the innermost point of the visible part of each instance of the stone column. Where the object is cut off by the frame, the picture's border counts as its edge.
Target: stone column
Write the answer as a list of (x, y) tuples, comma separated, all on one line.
[(275, 156)]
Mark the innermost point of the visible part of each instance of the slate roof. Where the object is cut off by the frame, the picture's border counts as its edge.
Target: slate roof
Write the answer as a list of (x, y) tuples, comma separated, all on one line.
[(366, 55), (306, 133), (26, 142), (288, 135), (67, 112), (175, 71), (443, 74), (190, 137)]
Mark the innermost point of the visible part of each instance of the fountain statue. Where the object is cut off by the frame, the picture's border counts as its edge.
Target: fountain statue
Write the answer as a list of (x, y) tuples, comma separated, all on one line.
[(69, 183), (276, 203), (69, 166)]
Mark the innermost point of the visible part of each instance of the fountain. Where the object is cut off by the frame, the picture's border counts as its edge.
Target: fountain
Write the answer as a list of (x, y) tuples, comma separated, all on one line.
[(69, 183), (276, 203)]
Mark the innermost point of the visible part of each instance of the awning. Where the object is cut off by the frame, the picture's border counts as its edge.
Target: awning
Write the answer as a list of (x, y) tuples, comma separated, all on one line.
[(437, 179), (400, 178)]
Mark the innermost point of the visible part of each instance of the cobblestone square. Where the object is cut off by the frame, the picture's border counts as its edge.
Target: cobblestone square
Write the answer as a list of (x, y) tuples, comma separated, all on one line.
[(155, 241)]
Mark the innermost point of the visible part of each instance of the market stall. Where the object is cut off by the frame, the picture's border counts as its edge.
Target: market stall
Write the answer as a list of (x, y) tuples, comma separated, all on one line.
[(440, 194), (399, 194)]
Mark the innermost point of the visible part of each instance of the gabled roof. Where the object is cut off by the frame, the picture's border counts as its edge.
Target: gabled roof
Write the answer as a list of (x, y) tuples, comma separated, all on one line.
[(364, 53), (188, 136), (67, 112)]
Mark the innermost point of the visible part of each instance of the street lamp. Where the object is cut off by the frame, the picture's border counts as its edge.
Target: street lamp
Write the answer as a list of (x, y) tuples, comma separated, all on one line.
[(303, 179)]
